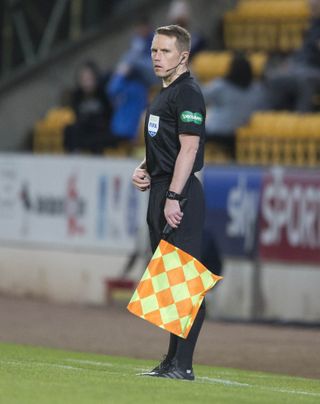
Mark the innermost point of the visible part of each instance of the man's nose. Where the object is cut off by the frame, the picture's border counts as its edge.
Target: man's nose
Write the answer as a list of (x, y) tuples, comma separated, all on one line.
[(156, 56)]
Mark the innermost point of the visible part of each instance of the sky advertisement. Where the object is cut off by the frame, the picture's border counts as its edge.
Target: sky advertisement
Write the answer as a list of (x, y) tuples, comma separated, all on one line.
[(273, 213)]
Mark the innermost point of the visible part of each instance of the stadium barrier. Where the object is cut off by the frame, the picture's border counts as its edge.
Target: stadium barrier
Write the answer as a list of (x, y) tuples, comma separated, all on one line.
[(68, 224)]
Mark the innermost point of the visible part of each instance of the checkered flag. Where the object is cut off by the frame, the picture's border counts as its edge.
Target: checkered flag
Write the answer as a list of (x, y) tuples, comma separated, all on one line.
[(172, 289)]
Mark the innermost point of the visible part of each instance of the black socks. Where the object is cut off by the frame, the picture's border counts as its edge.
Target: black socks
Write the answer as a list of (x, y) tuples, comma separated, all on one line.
[(182, 349)]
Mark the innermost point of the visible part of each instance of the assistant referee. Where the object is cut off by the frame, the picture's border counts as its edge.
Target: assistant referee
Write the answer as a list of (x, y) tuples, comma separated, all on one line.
[(174, 137)]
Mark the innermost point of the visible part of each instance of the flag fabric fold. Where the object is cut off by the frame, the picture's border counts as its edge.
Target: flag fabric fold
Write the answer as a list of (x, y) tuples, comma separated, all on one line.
[(172, 289)]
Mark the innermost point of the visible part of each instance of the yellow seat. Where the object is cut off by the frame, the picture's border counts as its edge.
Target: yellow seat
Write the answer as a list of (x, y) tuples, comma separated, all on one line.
[(280, 138), (216, 154), (273, 25), (48, 132), (208, 65)]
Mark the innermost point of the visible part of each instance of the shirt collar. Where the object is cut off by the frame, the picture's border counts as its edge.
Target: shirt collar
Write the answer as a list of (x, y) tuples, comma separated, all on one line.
[(178, 79)]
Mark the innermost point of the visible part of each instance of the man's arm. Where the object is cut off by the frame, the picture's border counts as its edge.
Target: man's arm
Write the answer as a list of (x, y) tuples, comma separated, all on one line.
[(140, 177), (182, 170)]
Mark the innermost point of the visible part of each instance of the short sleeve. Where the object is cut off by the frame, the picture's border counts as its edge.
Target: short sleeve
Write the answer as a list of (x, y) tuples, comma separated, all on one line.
[(191, 112)]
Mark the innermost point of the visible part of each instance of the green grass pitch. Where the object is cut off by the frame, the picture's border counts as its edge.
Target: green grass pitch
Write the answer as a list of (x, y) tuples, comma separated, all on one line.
[(41, 375)]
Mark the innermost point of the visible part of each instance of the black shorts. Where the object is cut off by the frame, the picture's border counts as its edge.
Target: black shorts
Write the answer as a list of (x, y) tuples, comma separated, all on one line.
[(188, 236)]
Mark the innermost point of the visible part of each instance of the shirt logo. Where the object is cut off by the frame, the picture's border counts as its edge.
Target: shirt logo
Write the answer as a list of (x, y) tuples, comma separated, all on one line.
[(153, 125), (188, 116)]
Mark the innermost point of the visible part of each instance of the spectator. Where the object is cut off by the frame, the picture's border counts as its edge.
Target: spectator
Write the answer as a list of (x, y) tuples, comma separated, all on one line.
[(293, 85), (129, 85), (230, 102), (138, 54), (141, 38), (128, 94), (93, 111), (179, 13)]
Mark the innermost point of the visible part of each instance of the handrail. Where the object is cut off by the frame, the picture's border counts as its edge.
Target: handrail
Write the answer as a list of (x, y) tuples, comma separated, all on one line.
[(15, 19)]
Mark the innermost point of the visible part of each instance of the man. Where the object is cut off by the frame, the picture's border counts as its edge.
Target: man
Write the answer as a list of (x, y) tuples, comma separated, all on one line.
[(174, 137)]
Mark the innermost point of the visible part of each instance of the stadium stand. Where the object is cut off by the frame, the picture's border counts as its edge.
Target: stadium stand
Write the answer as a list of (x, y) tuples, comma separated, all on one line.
[(260, 28), (270, 25), (284, 138)]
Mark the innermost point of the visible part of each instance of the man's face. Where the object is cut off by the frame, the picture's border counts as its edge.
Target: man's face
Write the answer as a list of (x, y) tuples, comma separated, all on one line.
[(165, 55), (315, 7), (87, 80)]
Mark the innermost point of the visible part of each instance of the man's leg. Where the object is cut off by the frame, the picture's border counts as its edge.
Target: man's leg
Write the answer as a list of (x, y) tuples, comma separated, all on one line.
[(188, 237), (185, 347), (181, 365), (156, 224)]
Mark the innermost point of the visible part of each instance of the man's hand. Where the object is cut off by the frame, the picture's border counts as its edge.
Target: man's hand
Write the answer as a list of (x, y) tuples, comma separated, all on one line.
[(172, 213), (141, 179)]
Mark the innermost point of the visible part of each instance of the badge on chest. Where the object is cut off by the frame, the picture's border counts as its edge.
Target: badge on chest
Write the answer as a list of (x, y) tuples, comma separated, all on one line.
[(153, 125)]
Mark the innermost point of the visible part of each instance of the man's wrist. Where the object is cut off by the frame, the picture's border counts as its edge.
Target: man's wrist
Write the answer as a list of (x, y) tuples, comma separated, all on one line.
[(173, 196)]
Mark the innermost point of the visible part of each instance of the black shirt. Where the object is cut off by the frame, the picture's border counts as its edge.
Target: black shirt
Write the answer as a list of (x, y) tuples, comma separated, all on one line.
[(177, 109)]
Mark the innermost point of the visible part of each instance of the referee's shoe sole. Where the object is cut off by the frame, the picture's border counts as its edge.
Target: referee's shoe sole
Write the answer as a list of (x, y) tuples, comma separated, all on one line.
[(164, 366), (171, 372), (178, 374)]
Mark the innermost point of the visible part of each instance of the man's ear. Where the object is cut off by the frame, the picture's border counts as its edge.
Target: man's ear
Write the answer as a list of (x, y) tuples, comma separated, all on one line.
[(185, 57)]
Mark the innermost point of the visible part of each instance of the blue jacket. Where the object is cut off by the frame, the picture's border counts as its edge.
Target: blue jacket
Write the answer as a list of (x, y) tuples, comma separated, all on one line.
[(129, 99)]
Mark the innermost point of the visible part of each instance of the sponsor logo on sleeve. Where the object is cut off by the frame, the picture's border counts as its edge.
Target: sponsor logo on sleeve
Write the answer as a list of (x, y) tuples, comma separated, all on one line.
[(153, 125), (194, 117)]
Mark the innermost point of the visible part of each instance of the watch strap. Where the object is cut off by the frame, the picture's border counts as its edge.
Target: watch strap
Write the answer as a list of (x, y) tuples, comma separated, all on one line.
[(174, 196)]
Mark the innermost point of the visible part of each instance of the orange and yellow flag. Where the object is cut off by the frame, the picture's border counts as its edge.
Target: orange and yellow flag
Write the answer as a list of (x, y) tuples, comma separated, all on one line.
[(172, 289)]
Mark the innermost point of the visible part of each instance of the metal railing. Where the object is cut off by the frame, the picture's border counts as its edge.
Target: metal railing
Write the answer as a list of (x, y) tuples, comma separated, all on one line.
[(30, 30)]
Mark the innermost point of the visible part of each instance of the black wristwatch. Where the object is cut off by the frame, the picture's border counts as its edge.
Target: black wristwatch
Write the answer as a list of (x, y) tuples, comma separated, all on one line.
[(174, 196)]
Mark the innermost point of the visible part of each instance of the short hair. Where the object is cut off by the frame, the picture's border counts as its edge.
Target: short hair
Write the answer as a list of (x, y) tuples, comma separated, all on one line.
[(183, 37), (240, 71)]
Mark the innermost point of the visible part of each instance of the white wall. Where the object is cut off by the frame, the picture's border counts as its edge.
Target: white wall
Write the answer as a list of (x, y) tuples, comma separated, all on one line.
[(289, 293), (231, 297), (285, 292), (58, 276)]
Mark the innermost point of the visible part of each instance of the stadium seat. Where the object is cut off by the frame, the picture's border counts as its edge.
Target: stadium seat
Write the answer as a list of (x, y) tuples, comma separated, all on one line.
[(216, 154), (123, 149), (48, 132), (270, 25), (207, 65), (280, 138)]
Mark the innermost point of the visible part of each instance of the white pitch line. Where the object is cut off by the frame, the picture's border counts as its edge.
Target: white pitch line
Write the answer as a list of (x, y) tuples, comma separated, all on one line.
[(106, 364), (238, 384), (63, 366), (34, 363), (87, 362), (223, 381), (202, 379), (299, 392), (97, 363)]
